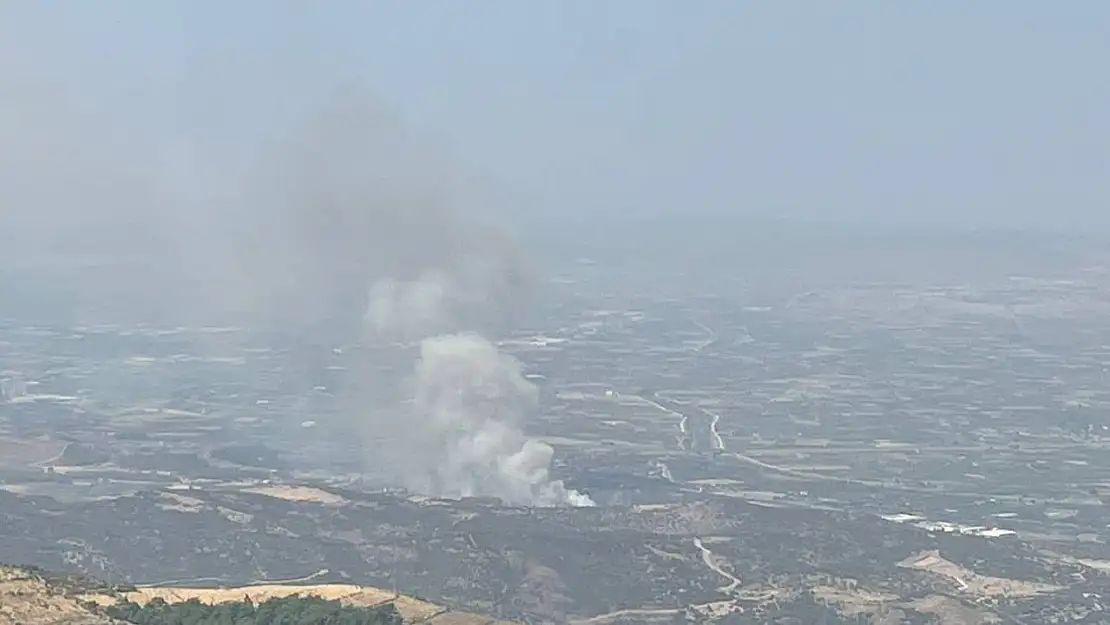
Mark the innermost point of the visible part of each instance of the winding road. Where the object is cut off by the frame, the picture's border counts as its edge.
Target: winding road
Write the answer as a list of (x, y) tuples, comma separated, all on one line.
[(710, 560)]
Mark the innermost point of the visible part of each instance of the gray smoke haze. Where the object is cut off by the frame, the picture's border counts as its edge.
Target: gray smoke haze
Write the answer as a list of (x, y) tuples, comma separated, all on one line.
[(358, 205), (371, 213), (347, 221), (367, 198)]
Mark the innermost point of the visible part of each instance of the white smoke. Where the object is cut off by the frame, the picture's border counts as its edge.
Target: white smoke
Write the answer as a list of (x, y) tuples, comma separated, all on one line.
[(471, 399), (409, 309), (465, 436)]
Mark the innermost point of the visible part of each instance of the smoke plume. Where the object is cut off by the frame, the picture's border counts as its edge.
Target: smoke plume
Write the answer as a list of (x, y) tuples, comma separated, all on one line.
[(350, 228), (374, 214), (471, 398)]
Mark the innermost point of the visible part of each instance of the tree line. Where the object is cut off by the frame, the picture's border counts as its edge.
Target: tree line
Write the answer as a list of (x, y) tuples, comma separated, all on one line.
[(295, 610)]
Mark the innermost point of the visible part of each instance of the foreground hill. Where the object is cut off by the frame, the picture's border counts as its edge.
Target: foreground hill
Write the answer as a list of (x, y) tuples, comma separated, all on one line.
[(716, 559), (30, 596)]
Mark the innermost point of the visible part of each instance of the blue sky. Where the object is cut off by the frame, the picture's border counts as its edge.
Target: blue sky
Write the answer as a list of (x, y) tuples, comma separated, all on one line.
[(954, 113)]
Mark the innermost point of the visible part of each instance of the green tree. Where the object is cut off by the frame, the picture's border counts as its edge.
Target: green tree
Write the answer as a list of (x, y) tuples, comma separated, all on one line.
[(280, 611)]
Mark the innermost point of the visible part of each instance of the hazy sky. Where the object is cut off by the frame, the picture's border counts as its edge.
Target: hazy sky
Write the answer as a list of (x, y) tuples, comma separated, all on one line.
[(967, 113)]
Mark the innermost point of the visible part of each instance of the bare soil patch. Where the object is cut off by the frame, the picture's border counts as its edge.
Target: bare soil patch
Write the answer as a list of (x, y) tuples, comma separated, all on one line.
[(27, 600), (299, 493), (973, 583)]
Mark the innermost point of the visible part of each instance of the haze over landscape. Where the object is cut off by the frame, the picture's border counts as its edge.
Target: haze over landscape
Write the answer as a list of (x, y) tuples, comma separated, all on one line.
[(576, 312)]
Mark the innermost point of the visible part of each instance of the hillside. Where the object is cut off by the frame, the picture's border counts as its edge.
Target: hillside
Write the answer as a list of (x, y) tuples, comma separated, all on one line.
[(30, 596)]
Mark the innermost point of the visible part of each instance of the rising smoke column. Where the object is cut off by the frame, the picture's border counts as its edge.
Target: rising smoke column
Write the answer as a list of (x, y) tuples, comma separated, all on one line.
[(345, 229), (368, 214), (464, 434), (471, 399)]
